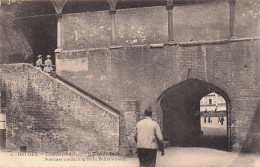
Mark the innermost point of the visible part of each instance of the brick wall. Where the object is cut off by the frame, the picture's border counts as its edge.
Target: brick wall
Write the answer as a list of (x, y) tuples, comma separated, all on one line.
[(196, 22), (247, 18), (140, 25), (142, 73), (84, 30), (47, 116), (208, 21)]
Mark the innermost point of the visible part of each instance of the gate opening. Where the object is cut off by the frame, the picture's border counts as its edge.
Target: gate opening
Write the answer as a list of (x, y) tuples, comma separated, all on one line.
[(213, 121), (180, 106)]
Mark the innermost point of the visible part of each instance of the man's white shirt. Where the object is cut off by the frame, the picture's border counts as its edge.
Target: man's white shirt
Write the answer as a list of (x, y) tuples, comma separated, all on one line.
[(147, 132)]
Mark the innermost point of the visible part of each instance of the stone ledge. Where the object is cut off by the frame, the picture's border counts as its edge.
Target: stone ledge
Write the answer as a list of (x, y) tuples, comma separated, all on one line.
[(170, 43), (115, 47), (160, 45), (235, 39)]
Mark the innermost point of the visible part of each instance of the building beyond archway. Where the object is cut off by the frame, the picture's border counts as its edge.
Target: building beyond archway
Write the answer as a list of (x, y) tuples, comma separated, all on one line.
[(180, 105)]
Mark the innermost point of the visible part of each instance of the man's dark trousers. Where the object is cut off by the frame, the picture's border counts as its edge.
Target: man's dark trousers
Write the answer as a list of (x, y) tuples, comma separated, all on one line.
[(147, 157)]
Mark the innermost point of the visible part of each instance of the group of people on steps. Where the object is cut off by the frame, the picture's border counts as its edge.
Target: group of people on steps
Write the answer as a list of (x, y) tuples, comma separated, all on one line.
[(46, 66)]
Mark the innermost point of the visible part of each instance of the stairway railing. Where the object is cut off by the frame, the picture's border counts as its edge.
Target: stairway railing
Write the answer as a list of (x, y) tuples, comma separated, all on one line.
[(55, 75), (63, 80)]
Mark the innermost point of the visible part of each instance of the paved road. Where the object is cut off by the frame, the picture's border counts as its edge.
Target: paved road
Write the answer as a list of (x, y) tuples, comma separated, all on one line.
[(203, 157), (175, 157)]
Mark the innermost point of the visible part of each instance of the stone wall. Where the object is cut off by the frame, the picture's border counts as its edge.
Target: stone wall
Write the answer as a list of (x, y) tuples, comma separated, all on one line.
[(46, 115)]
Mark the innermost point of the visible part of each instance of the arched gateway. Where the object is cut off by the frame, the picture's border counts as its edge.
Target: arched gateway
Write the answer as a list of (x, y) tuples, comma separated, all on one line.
[(180, 106)]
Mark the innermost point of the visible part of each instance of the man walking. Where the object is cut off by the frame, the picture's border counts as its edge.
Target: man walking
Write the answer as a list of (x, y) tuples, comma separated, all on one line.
[(149, 139)]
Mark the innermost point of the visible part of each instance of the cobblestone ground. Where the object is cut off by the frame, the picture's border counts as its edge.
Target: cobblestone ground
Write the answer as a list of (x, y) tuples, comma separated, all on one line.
[(175, 157)]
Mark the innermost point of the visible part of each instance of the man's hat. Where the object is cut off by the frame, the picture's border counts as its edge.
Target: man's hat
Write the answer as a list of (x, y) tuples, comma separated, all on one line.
[(48, 56), (39, 56)]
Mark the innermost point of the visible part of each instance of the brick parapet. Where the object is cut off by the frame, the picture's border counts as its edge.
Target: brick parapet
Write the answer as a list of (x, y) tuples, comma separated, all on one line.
[(46, 115)]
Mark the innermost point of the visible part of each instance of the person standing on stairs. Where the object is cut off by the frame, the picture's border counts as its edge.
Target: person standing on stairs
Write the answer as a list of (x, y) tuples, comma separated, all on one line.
[(47, 64), (39, 62)]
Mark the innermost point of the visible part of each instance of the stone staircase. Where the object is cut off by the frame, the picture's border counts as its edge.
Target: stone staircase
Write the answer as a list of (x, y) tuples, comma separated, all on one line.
[(50, 114)]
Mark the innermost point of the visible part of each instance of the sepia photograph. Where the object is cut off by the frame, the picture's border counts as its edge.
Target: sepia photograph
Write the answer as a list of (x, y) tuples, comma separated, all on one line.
[(130, 83)]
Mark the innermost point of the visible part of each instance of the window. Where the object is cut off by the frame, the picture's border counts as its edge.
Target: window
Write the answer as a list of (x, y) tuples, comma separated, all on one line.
[(210, 101)]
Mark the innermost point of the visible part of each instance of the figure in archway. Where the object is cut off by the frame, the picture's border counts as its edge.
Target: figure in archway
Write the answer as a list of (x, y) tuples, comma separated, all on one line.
[(222, 120)]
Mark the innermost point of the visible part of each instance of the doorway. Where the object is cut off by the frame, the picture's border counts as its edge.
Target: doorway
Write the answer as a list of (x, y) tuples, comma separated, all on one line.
[(38, 23), (180, 106), (213, 121)]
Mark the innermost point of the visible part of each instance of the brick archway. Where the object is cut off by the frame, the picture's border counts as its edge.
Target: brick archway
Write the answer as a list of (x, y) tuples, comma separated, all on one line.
[(181, 123)]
